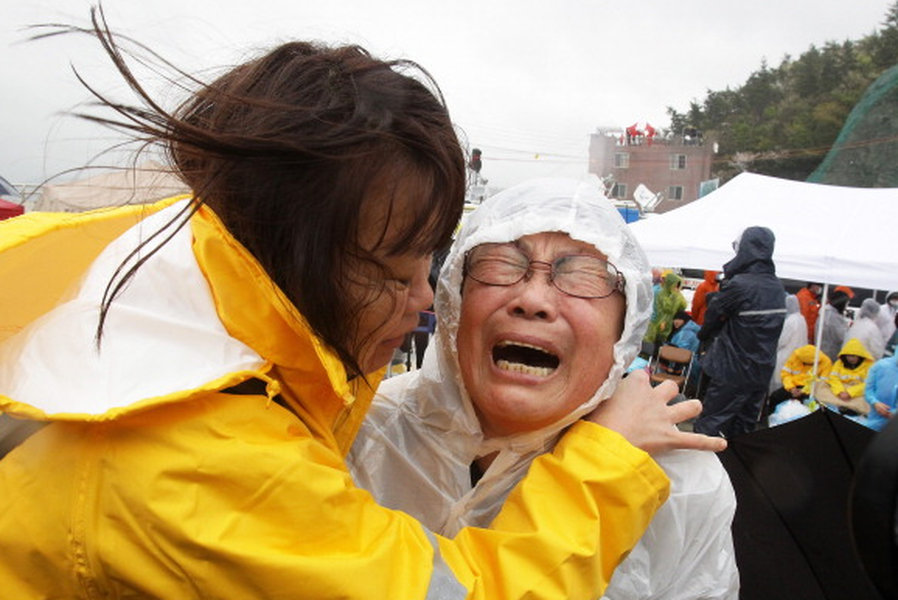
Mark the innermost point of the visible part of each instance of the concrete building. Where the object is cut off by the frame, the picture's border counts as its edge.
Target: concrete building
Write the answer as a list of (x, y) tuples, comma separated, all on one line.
[(670, 167)]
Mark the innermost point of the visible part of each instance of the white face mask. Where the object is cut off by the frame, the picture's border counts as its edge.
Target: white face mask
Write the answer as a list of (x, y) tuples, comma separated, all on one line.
[(893, 303)]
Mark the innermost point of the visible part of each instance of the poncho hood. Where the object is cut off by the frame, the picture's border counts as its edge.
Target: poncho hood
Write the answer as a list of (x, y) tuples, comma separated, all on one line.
[(754, 254), (575, 207)]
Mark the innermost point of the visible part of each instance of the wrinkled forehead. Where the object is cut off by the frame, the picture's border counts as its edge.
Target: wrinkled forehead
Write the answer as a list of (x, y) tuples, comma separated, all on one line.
[(550, 244)]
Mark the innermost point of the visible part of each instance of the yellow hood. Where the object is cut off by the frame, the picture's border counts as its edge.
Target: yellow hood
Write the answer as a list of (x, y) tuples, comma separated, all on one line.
[(855, 347), (200, 315)]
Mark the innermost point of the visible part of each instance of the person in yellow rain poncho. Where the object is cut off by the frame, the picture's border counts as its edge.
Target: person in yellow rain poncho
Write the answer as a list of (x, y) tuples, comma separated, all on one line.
[(517, 357), (844, 388), (201, 366), (797, 375)]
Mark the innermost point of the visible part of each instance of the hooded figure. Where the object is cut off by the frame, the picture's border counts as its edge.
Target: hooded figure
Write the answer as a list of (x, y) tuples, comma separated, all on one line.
[(416, 449), (866, 329), (835, 324), (793, 336), (744, 320), (881, 392), (845, 385), (668, 302), (709, 285), (685, 334), (886, 317)]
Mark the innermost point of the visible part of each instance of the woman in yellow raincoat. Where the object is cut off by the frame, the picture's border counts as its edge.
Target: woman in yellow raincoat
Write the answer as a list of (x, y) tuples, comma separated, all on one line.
[(845, 386), (798, 376), (201, 366)]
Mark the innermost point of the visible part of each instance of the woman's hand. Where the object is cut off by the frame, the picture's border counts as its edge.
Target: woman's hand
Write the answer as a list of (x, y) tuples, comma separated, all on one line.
[(883, 409), (641, 414)]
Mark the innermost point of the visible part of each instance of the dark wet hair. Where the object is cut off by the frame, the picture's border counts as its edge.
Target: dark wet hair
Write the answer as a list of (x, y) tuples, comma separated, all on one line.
[(839, 300), (287, 148), (683, 316)]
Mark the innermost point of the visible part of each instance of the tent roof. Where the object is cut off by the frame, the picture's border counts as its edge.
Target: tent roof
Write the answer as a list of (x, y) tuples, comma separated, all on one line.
[(143, 184), (831, 234)]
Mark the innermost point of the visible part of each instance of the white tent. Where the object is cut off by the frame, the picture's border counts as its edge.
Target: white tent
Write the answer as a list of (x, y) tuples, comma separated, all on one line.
[(146, 183), (831, 234)]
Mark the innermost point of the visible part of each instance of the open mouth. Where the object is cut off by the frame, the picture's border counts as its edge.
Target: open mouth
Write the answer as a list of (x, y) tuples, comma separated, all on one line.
[(524, 358)]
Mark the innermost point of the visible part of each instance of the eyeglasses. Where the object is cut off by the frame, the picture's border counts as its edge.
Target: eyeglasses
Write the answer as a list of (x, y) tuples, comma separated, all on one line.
[(578, 275)]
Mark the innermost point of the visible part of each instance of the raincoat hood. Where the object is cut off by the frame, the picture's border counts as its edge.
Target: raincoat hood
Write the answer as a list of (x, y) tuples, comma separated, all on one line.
[(869, 309), (856, 347), (806, 354), (792, 305), (670, 281), (754, 254), (571, 206), (224, 322)]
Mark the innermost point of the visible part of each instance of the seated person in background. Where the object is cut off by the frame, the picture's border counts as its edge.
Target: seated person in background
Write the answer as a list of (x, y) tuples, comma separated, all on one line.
[(844, 388), (685, 335), (541, 305), (798, 375), (793, 336), (865, 328), (880, 392), (685, 332)]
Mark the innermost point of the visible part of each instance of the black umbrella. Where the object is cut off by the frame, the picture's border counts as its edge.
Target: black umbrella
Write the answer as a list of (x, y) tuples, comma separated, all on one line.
[(791, 530), (874, 500)]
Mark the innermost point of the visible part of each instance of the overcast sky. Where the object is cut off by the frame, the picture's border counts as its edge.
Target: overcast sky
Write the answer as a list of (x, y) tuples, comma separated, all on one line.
[(526, 81)]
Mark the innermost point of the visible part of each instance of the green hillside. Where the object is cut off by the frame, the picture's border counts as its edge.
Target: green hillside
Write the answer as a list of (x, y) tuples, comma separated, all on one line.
[(784, 120)]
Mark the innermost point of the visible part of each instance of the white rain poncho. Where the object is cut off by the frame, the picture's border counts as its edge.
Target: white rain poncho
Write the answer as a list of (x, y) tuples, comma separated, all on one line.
[(866, 329), (421, 436), (793, 336)]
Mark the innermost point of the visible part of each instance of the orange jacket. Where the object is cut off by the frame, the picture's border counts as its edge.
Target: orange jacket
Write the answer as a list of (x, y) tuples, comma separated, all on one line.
[(699, 299), (809, 306)]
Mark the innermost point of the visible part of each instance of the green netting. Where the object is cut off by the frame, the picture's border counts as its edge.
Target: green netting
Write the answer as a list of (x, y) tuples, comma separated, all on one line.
[(866, 152)]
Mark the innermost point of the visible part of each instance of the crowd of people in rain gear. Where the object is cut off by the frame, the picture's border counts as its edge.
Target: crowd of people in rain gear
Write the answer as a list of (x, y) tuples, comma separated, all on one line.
[(825, 354)]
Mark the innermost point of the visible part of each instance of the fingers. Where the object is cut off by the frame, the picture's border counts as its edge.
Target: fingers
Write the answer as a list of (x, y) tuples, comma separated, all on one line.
[(667, 390), (643, 415), (683, 411), (698, 441)]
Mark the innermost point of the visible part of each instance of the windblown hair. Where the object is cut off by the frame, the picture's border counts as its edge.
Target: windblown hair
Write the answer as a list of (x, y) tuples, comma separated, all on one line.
[(287, 148)]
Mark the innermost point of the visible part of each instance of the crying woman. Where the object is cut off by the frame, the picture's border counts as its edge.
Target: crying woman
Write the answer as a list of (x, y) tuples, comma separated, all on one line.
[(541, 305)]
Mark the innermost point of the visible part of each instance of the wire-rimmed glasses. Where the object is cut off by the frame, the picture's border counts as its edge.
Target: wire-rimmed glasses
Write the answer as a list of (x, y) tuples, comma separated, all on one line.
[(578, 275)]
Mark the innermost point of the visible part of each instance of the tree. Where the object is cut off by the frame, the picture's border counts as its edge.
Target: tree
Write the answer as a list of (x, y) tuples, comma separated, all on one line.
[(886, 51), (782, 120)]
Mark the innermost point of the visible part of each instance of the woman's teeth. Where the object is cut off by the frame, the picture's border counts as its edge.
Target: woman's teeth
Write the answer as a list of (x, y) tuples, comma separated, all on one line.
[(519, 357), (525, 369)]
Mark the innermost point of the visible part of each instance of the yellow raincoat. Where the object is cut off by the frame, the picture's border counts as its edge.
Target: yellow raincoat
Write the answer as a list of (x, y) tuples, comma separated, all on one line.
[(798, 370), (154, 479), (842, 379)]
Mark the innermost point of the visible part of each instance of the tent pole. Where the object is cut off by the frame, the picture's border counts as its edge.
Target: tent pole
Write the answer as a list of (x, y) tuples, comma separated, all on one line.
[(817, 335)]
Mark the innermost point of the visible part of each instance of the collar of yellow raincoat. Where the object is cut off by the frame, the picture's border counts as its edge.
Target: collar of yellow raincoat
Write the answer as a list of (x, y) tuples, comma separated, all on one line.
[(251, 308), (254, 310)]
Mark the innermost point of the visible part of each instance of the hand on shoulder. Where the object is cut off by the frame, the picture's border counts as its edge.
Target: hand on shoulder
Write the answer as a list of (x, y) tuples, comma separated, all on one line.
[(641, 414)]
